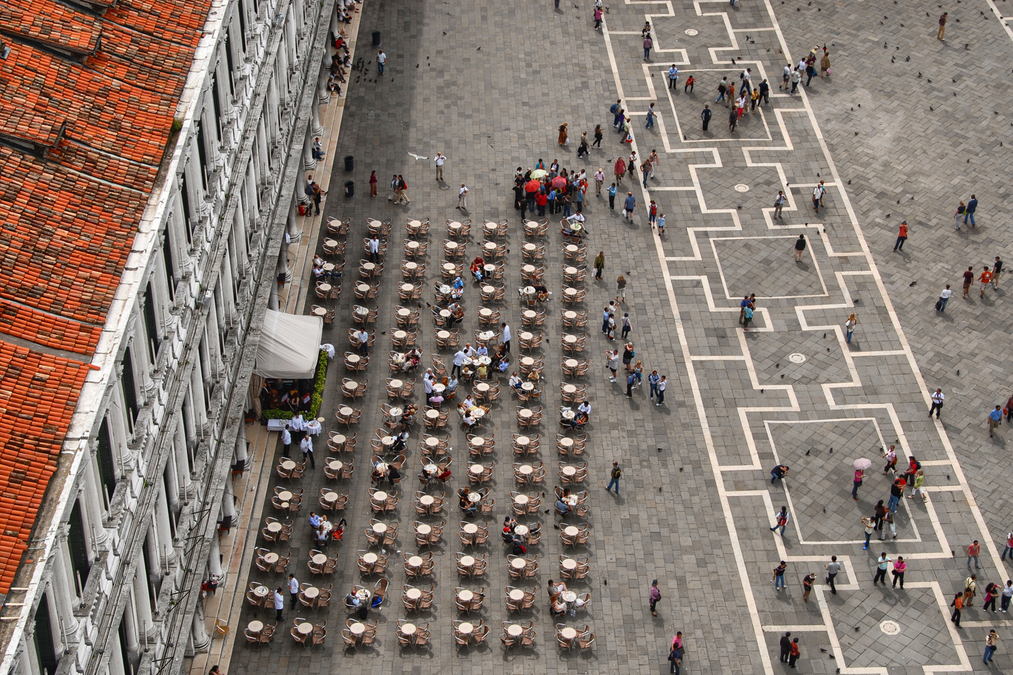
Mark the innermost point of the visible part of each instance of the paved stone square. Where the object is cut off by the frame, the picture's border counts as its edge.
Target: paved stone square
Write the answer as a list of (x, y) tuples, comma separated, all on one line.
[(488, 84)]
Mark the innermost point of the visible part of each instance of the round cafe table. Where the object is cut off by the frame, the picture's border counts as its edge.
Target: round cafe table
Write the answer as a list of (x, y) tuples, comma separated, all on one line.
[(474, 497), (443, 334), (530, 247), (450, 245), (413, 594), (485, 311), (326, 288), (527, 361), (465, 596), (357, 629), (570, 314), (566, 442), (416, 561), (485, 360), (439, 388), (570, 291), (454, 226), (526, 469), (569, 389), (528, 386), (408, 629), (482, 387), (319, 559), (470, 528), (387, 441), (379, 528), (333, 465), (271, 558), (486, 335), (527, 269), (522, 440), (319, 311), (525, 412), (285, 496), (328, 267), (432, 441), (338, 439), (345, 411), (288, 464), (396, 384), (568, 415), (368, 266), (478, 441), (491, 226), (261, 591), (521, 530), (331, 243), (490, 246), (445, 289), (569, 471), (353, 358), (432, 413), (528, 290), (369, 558), (465, 628), (362, 288), (530, 223), (449, 267), (407, 288), (411, 267), (374, 223), (351, 385), (477, 413), (379, 496), (424, 530), (476, 469), (466, 561), (331, 496), (445, 313), (399, 334), (529, 314), (488, 289), (516, 595), (570, 339), (569, 564), (571, 363), (427, 500), (571, 531), (518, 563), (569, 270), (525, 335), (514, 630), (305, 628), (413, 245), (569, 596), (255, 626), (571, 248), (431, 468), (568, 633), (521, 500), (311, 592), (489, 269), (396, 412), (358, 309)]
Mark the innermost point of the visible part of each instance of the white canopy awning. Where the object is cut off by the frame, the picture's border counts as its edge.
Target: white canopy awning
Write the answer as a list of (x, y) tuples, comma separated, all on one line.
[(289, 346)]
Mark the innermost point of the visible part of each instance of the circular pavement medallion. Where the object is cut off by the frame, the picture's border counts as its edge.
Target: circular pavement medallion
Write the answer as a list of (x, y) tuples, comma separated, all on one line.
[(890, 627), (692, 31), (742, 187), (796, 358)]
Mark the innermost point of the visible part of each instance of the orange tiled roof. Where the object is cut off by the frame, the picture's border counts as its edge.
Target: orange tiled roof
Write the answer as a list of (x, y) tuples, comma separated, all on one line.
[(86, 108), (38, 394)]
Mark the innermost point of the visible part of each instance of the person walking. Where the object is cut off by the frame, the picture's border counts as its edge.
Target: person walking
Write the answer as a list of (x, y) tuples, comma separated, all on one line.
[(785, 647), (794, 654), (440, 161), (807, 586), (616, 474), (779, 202), (796, 77), (599, 264), (961, 208), (938, 397), (899, 568), (674, 658), (996, 271), (599, 181), (859, 475), (991, 640), (402, 190), (598, 136), (799, 245), (849, 326), (705, 115), (648, 43), (506, 336), (970, 589), (653, 596), (896, 492), (662, 385), (621, 288), (957, 605), (286, 440), (994, 420), (781, 519), (968, 280), (690, 83), (942, 27), (747, 316), (901, 237), (870, 527), (1007, 595), (919, 486), (891, 460), (779, 576), (972, 206), (673, 77), (563, 137), (833, 568), (462, 198), (627, 325), (722, 91), (1009, 547), (879, 515), (372, 184), (307, 450), (944, 297), (650, 118), (631, 381), (620, 169), (612, 358), (645, 169), (661, 224), (381, 61), (616, 109), (825, 64), (973, 551), (733, 119), (985, 279), (881, 566), (612, 197)]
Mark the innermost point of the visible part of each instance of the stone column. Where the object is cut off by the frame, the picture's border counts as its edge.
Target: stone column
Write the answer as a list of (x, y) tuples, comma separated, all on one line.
[(199, 632), (92, 505), (130, 623), (64, 586), (318, 128), (142, 604), (308, 162), (323, 94), (163, 529)]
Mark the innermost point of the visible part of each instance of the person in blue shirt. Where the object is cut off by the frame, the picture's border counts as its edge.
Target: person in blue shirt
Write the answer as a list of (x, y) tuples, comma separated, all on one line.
[(972, 206), (628, 205), (994, 419), (612, 197), (673, 77), (661, 224)]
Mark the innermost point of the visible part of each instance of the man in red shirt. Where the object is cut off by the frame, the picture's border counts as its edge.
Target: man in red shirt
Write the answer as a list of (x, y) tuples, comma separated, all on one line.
[(986, 279), (901, 237)]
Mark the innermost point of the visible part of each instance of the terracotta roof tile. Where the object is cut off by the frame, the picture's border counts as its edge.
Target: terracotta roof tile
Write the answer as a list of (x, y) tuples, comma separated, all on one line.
[(38, 394), (50, 22)]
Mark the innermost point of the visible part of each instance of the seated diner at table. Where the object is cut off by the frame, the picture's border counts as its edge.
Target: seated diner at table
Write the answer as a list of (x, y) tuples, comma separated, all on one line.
[(477, 268), (467, 505)]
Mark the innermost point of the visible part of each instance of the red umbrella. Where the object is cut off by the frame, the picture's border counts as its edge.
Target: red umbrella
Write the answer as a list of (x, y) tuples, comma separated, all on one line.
[(532, 186), (558, 182)]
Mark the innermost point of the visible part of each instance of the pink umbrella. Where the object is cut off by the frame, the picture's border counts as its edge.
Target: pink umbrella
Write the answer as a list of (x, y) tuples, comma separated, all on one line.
[(558, 182), (532, 186)]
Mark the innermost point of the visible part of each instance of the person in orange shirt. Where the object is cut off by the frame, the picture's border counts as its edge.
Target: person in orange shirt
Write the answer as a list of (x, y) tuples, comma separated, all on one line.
[(901, 237), (986, 279)]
